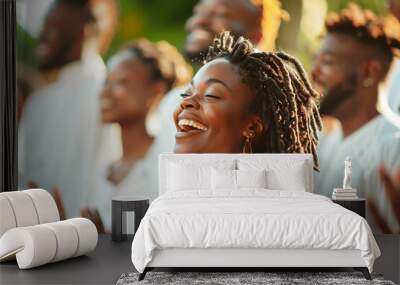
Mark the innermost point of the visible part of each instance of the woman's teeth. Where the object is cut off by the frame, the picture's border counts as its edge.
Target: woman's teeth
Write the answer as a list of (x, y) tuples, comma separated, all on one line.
[(191, 123)]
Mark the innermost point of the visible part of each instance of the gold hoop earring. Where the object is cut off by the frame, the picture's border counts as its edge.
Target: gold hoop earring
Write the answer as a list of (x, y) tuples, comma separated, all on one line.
[(247, 148)]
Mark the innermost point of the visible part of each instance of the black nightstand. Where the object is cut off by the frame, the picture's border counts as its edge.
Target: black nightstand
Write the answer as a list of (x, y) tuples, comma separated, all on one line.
[(357, 205), (121, 206)]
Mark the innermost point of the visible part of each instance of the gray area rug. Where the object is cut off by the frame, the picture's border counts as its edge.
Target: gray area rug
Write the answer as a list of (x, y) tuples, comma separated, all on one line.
[(225, 278)]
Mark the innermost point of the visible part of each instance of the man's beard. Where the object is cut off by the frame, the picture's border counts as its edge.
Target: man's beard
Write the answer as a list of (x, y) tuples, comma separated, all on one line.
[(339, 94)]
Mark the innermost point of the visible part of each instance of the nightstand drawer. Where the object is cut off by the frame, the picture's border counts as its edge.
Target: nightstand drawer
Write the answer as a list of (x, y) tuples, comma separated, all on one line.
[(356, 206)]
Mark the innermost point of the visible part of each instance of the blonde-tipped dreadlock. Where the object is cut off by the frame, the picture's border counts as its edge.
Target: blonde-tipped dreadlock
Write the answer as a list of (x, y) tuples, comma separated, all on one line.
[(284, 97), (367, 27)]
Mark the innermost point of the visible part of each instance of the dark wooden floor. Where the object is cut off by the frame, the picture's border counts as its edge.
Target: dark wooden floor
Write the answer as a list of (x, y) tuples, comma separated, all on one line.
[(106, 264)]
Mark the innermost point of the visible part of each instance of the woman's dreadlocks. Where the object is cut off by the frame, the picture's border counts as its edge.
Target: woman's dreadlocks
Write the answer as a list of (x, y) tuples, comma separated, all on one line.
[(284, 97)]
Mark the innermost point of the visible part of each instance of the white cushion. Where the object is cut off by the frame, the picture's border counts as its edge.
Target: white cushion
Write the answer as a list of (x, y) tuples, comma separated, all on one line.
[(236, 179), (182, 177), (32, 246), (87, 234), (223, 179), (26, 208), (7, 218), (23, 208), (251, 178), (193, 175), (45, 205), (293, 179), (282, 175), (67, 237)]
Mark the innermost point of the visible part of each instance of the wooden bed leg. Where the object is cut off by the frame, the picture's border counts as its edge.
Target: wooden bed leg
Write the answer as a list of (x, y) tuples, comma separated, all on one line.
[(364, 271), (142, 275)]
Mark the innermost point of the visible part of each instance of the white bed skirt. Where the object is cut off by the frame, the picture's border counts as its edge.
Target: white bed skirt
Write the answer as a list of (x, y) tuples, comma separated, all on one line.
[(196, 257)]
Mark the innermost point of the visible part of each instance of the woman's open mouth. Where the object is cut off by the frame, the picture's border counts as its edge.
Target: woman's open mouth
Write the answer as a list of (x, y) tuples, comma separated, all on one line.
[(187, 127)]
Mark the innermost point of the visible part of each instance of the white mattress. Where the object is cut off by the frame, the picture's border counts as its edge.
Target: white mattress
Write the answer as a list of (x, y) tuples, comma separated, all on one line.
[(253, 218)]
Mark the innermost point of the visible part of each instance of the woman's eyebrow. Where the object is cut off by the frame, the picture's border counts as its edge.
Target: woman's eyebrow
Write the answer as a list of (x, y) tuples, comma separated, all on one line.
[(211, 81), (214, 80)]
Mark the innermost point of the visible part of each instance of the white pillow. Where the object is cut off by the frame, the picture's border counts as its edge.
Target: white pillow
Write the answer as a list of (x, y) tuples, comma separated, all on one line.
[(184, 177), (292, 179), (251, 178), (185, 174), (237, 179), (223, 179), (281, 175)]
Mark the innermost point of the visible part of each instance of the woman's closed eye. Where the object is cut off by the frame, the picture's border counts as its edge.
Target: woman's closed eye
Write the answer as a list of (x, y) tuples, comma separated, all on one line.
[(207, 96), (212, 96), (184, 95)]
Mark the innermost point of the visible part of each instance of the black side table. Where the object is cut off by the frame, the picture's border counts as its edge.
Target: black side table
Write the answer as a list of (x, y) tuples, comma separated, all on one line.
[(357, 205), (121, 206)]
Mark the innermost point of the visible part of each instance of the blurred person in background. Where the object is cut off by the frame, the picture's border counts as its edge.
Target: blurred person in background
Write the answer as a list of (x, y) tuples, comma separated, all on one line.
[(26, 79), (257, 20), (138, 77), (394, 82), (25, 85), (64, 143), (353, 62), (385, 174)]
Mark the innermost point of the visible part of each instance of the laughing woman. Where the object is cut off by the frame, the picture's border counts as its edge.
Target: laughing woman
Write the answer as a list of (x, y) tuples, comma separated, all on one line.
[(243, 100)]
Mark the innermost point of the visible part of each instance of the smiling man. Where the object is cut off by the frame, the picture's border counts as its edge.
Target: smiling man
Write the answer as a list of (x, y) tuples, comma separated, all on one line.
[(210, 17)]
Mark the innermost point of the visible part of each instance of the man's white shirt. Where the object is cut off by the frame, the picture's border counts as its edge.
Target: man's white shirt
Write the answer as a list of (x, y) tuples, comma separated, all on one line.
[(372, 144)]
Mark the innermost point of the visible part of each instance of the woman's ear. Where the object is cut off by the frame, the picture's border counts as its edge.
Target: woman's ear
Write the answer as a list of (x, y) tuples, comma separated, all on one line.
[(255, 128)]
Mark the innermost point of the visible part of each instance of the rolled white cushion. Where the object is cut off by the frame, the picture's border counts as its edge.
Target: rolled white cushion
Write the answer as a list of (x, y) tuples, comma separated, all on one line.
[(67, 239), (7, 218), (87, 235), (40, 244), (45, 205), (33, 246), (23, 208)]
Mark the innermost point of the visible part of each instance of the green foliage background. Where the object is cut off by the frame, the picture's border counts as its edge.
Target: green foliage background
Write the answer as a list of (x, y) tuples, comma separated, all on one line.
[(164, 20)]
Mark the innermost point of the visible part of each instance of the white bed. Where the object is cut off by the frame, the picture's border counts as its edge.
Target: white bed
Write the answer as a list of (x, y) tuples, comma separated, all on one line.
[(205, 221)]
